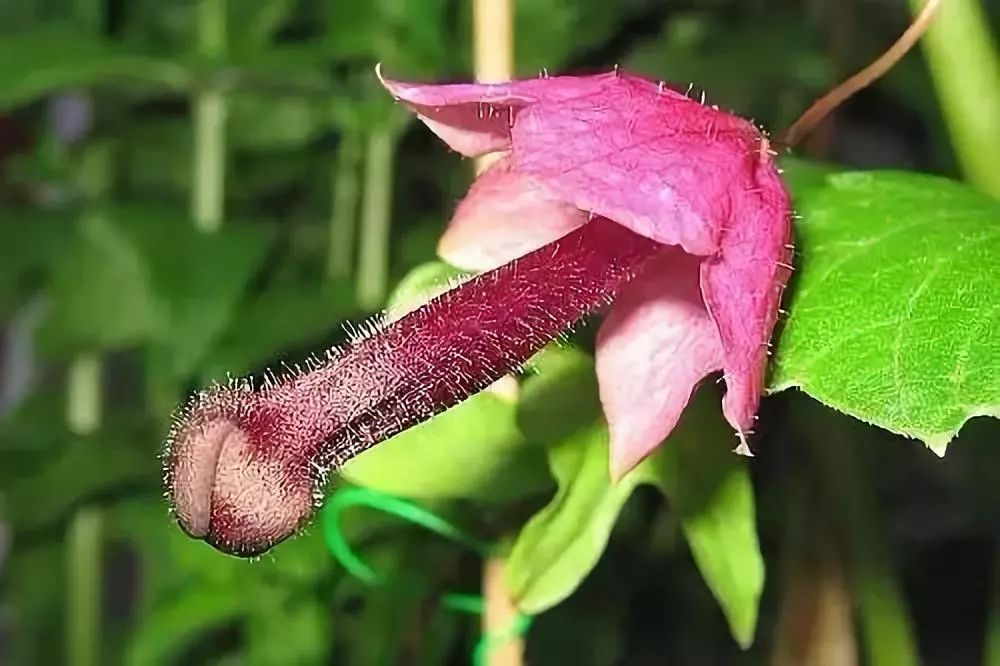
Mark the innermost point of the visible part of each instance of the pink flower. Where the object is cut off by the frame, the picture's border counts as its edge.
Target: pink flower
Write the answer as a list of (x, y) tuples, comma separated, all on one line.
[(699, 181), (612, 190)]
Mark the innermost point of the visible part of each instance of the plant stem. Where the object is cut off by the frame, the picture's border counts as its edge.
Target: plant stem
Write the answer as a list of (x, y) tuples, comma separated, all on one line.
[(344, 204), (965, 66), (886, 627), (83, 607), (991, 650), (815, 626), (208, 186), (376, 212), (499, 615), (493, 43), (83, 379), (83, 399)]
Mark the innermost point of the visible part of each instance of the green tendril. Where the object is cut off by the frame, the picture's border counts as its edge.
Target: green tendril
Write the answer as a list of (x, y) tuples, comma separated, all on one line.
[(402, 508)]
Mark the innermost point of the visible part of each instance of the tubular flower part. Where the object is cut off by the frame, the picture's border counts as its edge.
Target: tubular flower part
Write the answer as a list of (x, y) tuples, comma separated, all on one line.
[(613, 190), (699, 181)]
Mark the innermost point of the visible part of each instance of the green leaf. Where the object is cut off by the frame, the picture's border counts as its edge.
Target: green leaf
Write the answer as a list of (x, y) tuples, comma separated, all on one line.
[(473, 450), (57, 57), (289, 313), (198, 280), (895, 302), (770, 75), (174, 623), (268, 122), (29, 242), (84, 470), (102, 294), (548, 33), (286, 625), (559, 395), (423, 283), (400, 33), (254, 22), (710, 488), (560, 545)]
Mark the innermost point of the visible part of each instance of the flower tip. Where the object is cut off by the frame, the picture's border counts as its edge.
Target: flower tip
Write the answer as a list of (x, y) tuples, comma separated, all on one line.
[(225, 490), (743, 448), (390, 85), (454, 249), (621, 465)]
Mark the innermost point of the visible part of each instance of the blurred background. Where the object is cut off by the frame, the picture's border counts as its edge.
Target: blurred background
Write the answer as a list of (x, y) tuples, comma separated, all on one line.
[(190, 189)]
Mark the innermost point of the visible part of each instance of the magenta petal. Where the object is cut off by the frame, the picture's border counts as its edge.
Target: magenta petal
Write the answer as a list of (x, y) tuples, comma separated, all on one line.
[(505, 215), (474, 118), (652, 350), (644, 156), (742, 287)]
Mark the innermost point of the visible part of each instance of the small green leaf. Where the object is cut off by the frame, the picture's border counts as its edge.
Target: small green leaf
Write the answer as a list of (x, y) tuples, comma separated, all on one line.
[(894, 303), (102, 294), (29, 241), (198, 279), (420, 285), (262, 122), (175, 622), (57, 57), (473, 450), (76, 475), (558, 395), (710, 488), (286, 625), (560, 545), (289, 313)]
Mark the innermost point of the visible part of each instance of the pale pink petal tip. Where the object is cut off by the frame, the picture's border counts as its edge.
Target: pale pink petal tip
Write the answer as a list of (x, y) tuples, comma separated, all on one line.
[(743, 448), (505, 215), (656, 345), (473, 119)]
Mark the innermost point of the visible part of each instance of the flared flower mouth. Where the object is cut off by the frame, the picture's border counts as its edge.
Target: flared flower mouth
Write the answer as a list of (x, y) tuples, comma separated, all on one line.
[(613, 190), (699, 181)]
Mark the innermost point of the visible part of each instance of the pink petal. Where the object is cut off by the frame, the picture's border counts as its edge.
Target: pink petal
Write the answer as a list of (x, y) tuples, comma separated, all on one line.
[(505, 215), (644, 156), (742, 286), (652, 350), (476, 118)]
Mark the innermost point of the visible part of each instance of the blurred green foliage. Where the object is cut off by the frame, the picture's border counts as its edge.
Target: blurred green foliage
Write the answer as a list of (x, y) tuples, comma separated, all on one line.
[(99, 255)]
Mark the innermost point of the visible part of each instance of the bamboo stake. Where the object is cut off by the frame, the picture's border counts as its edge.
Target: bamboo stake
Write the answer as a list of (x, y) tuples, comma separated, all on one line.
[(493, 40), (493, 44)]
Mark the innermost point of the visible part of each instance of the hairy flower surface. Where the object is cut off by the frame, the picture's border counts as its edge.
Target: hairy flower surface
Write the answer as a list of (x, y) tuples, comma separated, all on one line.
[(699, 181), (612, 190)]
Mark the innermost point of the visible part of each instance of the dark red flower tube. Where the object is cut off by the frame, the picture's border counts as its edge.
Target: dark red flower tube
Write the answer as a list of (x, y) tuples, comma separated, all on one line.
[(246, 468)]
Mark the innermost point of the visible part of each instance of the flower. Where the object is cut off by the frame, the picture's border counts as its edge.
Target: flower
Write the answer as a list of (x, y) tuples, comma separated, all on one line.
[(612, 191), (700, 181)]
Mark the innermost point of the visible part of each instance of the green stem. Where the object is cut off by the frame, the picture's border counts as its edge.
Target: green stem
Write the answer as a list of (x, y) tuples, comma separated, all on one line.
[(376, 212), (886, 626), (208, 186), (83, 378), (90, 14), (344, 204), (965, 66), (83, 399), (991, 651), (885, 619), (84, 412), (83, 607)]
